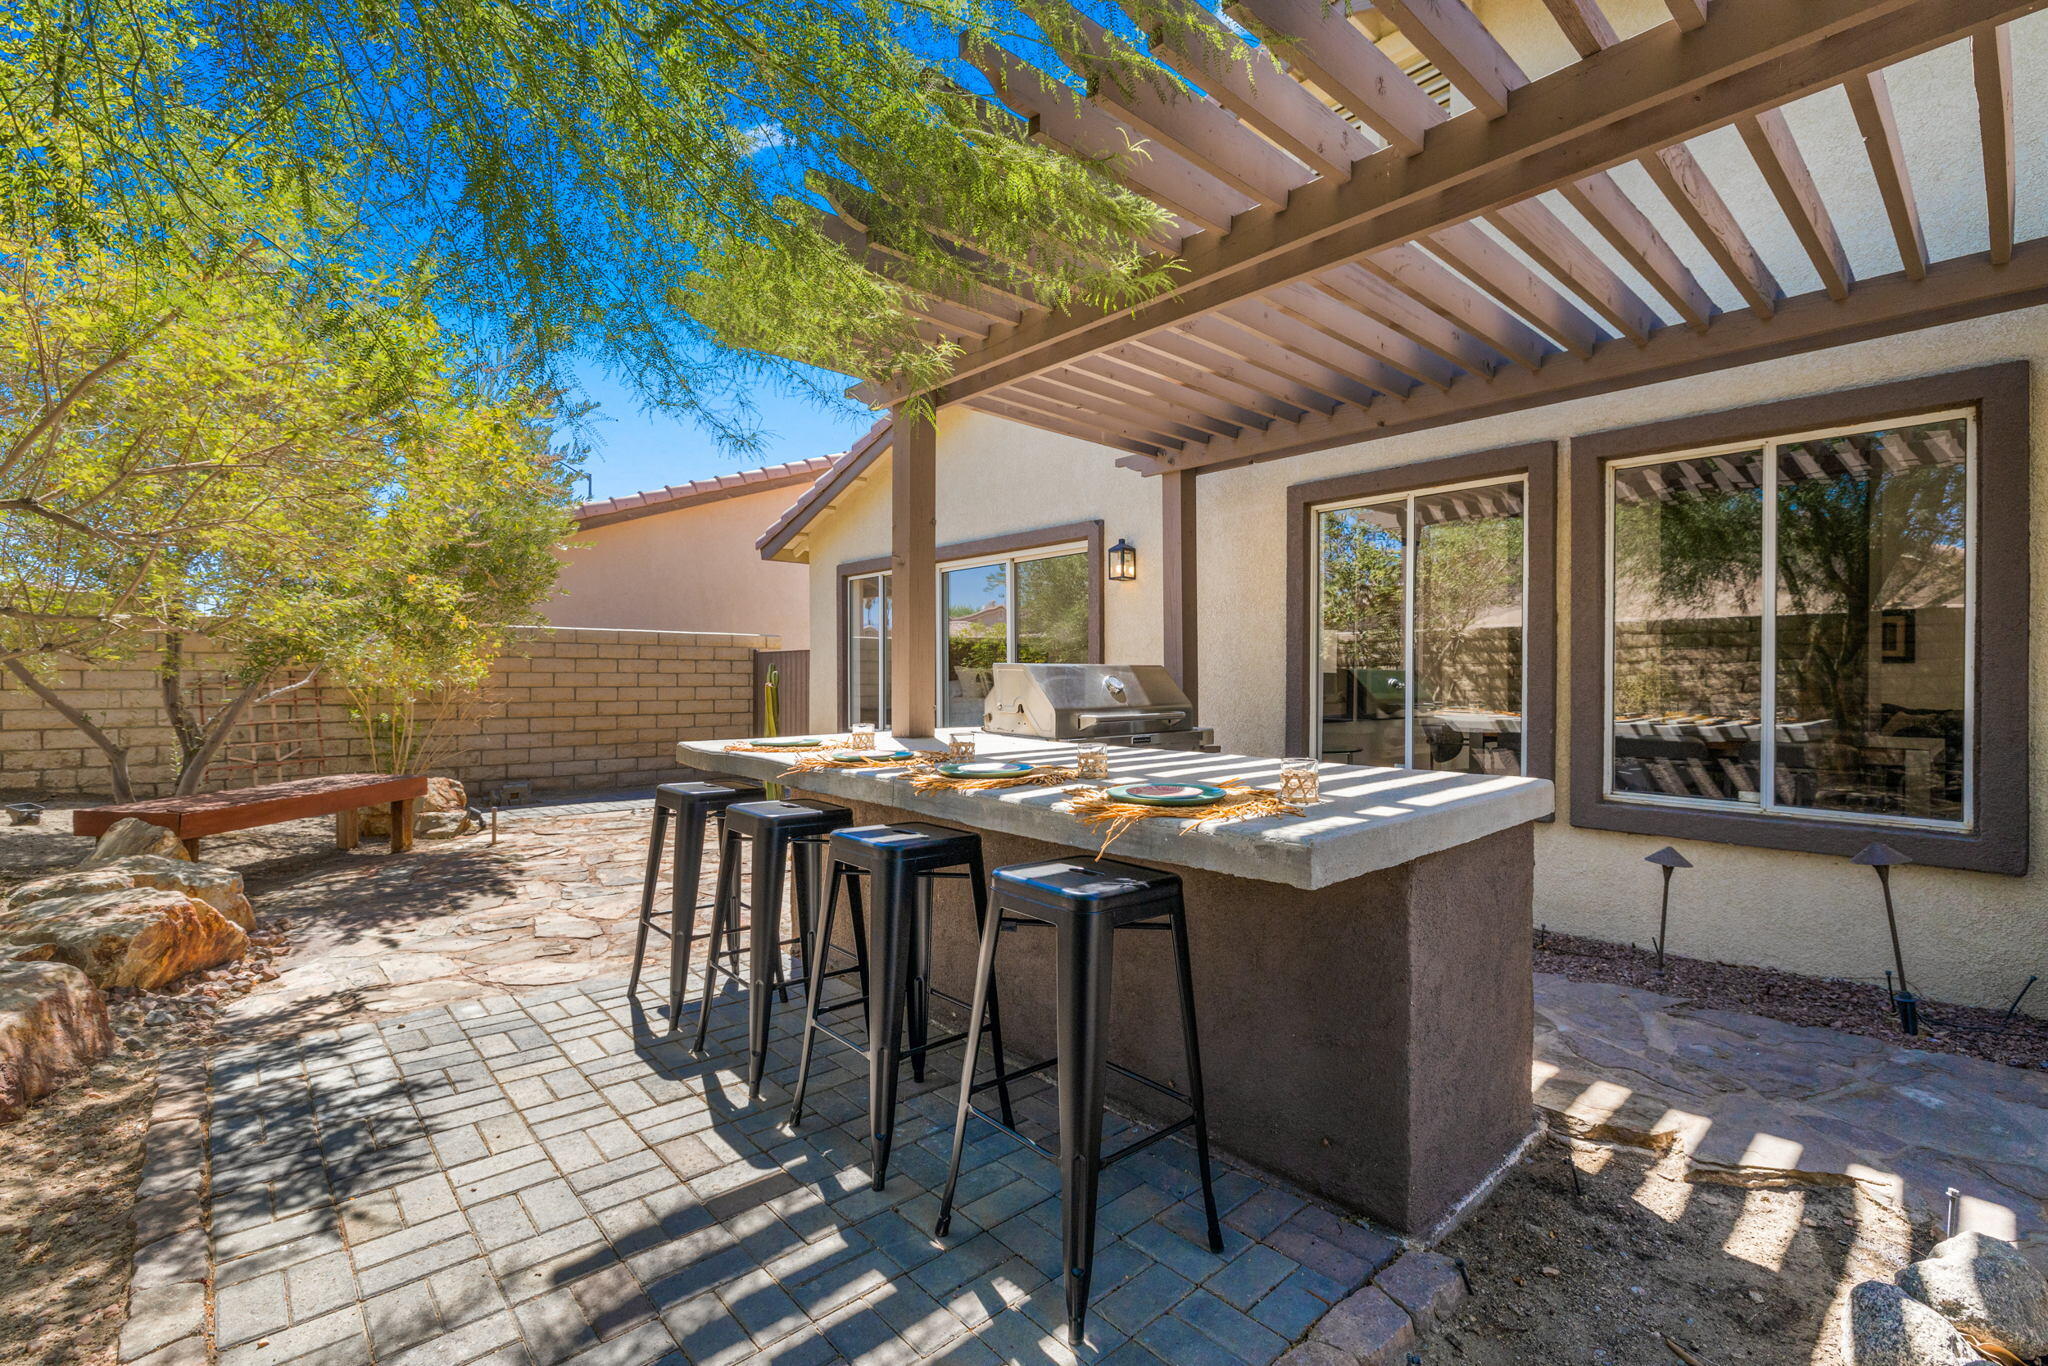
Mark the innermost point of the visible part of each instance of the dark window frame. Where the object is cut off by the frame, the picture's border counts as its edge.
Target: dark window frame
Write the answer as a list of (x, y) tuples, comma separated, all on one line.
[(1999, 757), (1536, 463), (1089, 533)]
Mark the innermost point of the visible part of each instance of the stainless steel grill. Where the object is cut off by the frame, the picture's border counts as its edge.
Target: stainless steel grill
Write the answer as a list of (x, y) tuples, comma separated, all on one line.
[(1114, 704)]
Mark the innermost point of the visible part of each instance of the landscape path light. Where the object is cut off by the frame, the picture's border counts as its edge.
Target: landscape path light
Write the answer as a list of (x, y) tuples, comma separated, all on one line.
[(1669, 860), (1883, 857)]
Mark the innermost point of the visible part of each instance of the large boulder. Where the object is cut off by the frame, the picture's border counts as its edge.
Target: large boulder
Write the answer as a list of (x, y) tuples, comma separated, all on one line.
[(53, 1023), (1987, 1286), (218, 887), (128, 837), (442, 814), (134, 937), (1887, 1327)]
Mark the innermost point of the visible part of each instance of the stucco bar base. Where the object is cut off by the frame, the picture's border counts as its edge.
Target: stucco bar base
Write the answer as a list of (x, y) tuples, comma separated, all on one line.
[(1369, 1041)]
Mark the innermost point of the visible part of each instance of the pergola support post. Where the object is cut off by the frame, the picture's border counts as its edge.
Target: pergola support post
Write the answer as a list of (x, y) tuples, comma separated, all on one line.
[(913, 586), (1177, 577)]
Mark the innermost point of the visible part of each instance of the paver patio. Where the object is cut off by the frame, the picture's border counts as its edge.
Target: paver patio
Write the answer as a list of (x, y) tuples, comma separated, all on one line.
[(544, 1175)]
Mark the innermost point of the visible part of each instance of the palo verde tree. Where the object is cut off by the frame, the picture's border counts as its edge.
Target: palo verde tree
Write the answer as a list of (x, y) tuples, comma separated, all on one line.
[(198, 446), (651, 187)]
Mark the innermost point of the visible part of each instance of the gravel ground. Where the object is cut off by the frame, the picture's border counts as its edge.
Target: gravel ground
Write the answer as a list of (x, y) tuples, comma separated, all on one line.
[(1854, 1007), (1640, 1259)]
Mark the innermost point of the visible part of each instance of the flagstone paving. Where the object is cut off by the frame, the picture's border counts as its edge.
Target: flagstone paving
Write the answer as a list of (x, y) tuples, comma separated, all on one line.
[(528, 1169), (551, 1177)]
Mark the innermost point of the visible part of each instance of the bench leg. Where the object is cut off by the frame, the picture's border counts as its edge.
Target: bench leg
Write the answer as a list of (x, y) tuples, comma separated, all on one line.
[(348, 828), (401, 826), (192, 848)]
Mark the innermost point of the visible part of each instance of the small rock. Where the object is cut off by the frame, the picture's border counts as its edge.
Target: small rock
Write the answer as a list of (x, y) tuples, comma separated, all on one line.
[(159, 1018), (127, 837), (1887, 1327), (1552, 1271), (1987, 1286)]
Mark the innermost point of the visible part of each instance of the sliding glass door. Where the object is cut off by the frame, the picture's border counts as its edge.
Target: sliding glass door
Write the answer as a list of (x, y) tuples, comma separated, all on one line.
[(1020, 609), (867, 649), (1418, 630)]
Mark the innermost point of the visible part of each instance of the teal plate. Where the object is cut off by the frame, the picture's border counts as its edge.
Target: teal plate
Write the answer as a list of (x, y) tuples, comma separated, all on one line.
[(788, 742), (1168, 794), (855, 756), (984, 768)]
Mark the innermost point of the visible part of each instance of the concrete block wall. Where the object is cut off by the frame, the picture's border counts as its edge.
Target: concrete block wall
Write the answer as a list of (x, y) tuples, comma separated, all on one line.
[(567, 709)]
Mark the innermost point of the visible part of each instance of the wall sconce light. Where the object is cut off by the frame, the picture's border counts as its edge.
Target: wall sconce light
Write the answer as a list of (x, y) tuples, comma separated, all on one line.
[(1123, 561)]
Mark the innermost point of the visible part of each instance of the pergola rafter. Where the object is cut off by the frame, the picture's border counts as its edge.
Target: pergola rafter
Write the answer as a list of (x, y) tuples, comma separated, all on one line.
[(1356, 258)]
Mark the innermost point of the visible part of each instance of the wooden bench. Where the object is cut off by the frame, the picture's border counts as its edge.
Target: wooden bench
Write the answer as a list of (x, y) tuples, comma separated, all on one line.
[(337, 794)]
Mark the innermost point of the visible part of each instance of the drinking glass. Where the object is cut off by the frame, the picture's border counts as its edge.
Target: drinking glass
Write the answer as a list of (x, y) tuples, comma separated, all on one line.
[(1091, 761), (960, 745), (1299, 781), (860, 735)]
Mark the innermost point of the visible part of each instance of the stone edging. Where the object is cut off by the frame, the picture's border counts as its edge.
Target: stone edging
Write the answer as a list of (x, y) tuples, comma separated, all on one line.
[(168, 1309), (1377, 1323)]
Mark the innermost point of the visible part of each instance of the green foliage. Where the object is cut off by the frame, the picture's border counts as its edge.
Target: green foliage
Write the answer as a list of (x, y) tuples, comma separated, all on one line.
[(195, 447), (638, 186)]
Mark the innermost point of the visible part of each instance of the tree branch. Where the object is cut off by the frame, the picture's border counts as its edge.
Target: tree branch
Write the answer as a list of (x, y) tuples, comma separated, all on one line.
[(117, 754)]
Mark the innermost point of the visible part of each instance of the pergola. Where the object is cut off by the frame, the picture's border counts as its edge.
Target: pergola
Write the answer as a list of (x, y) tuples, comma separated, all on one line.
[(1367, 207)]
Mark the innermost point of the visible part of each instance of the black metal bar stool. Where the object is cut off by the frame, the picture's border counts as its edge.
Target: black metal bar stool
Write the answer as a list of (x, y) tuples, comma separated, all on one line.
[(901, 862), (1084, 901), (782, 834), (692, 806)]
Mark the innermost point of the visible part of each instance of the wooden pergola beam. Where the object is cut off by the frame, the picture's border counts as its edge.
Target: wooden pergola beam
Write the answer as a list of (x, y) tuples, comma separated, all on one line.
[(1031, 394), (1769, 139), (1247, 81), (1192, 124), (1553, 245), (1329, 315), (1060, 118), (1226, 334), (1095, 390), (1346, 356), (1629, 231), (1357, 288), (1479, 258), (1651, 90), (1462, 48), (998, 406), (1991, 62), (1585, 26), (1953, 291), (1276, 386), (1320, 43), (1162, 353), (1676, 172), (889, 265), (1871, 103), (913, 562), (1419, 275), (1183, 389), (1687, 14)]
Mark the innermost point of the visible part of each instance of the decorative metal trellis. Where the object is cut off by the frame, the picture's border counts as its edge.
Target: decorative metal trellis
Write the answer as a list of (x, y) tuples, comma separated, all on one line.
[(280, 737)]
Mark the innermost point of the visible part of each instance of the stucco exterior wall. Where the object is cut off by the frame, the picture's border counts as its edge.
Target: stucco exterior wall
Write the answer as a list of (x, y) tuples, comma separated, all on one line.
[(995, 478), (1972, 937), (692, 569)]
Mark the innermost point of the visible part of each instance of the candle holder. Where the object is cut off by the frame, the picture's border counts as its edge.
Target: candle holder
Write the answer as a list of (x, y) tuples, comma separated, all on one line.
[(960, 746), (860, 735), (1092, 762), (1300, 781)]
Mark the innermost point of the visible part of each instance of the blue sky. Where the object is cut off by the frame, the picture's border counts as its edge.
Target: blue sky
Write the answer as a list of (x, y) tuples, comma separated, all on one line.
[(632, 451)]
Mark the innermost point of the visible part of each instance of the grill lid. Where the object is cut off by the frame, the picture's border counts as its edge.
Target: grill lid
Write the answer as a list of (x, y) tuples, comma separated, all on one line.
[(1076, 701)]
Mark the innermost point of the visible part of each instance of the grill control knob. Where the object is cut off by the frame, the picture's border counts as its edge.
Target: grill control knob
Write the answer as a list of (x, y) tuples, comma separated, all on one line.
[(1114, 686)]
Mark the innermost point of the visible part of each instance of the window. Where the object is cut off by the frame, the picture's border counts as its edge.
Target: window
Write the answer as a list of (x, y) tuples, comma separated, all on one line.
[(1804, 625), (867, 648), (1017, 609), (1789, 624), (1419, 629)]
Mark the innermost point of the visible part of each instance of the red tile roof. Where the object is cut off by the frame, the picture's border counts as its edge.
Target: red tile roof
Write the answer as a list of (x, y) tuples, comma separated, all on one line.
[(841, 470), (700, 491)]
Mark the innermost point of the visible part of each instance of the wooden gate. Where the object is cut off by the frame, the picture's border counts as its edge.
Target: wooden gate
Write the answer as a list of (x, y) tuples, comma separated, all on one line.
[(793, 691)]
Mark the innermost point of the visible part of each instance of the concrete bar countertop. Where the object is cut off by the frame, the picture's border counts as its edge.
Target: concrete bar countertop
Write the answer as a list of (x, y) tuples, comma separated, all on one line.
[(1369, 818)]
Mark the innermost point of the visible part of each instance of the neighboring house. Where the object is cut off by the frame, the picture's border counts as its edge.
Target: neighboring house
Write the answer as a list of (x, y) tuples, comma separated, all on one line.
[(1515, 498), (682, 559)]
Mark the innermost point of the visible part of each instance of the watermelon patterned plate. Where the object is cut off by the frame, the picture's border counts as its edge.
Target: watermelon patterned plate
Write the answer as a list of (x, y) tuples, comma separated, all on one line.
[(984, 768), (1168, 794), (787, 742), (855, 756)]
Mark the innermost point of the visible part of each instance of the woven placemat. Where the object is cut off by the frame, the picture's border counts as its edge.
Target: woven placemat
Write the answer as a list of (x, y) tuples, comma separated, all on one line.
[(742, 747), (931, 780), (814, 763), (1243, 803)]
